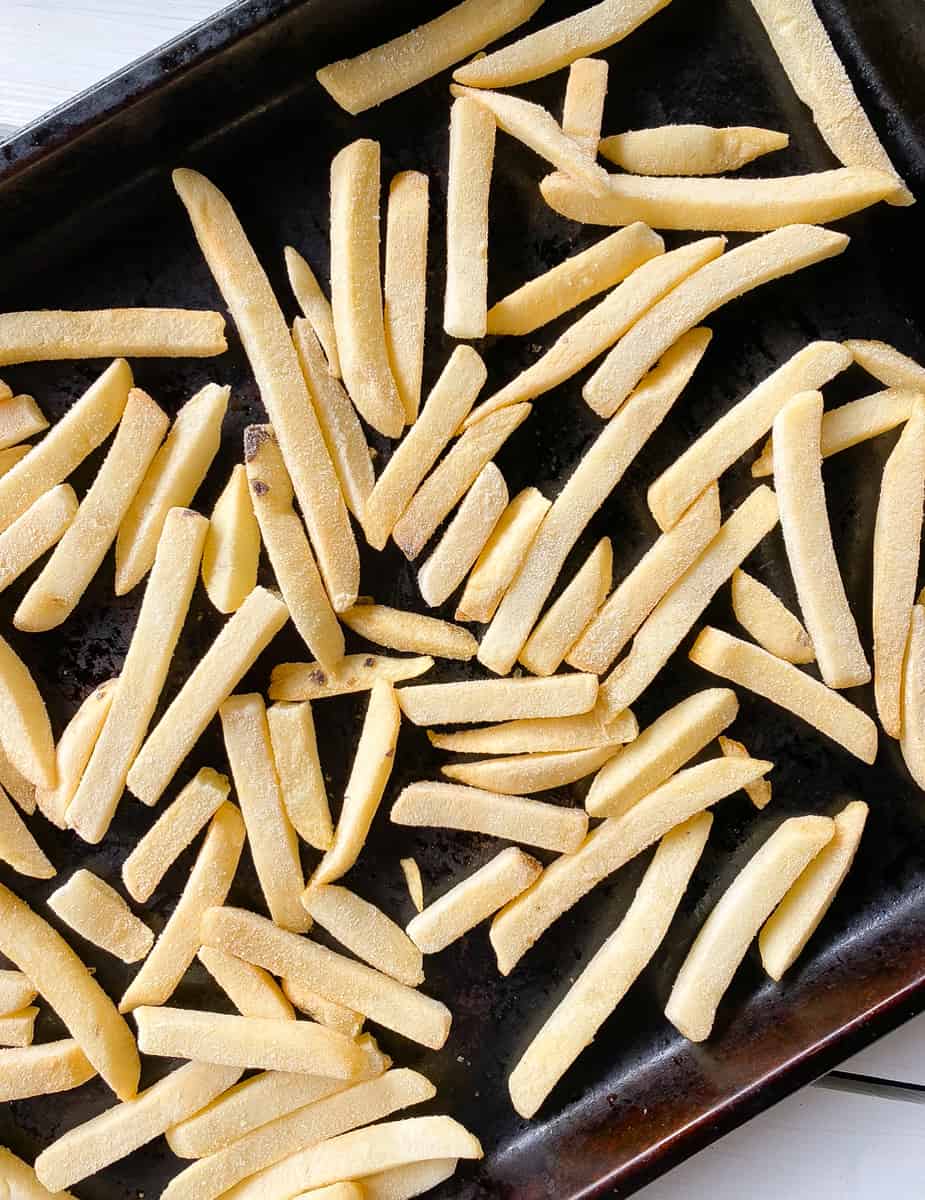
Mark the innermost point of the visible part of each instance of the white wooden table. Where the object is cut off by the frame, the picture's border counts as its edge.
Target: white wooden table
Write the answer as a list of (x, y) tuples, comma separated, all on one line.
[(823, 1142)]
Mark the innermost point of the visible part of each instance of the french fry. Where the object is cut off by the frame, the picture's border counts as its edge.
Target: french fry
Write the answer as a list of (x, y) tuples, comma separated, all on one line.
[(743, 908), (583, 107), (464, 537), (42, 1071), (405, 285), (325, 1012), (912, 738), (20, 418), (9, 458), (343, 980), (315, 306), (6, 391), (400, 630), (886, 364), (98, 913), (366, 932), (25, 730), (354, 673), (473, 900), (514, 818), (679, 609), (472, 152), (232, 549), (372, 766), (18, 847), (340, 426), (73, 753), (498, 699), (804, 523), (597, 474), (128, 332), (742, 269), (412, 874), (16, 992), (608, 847), (18, 786), (17, 1029), (144, 672), (608, 976), (207, 885), (795, 920), (784, 684), (897, 539), (502, 556), (659, 569), (242, 639), (79, 554), (768, 620), (758, 792), (540, 735), (273, 359), (819, 79), (558, 45), (450, 399), (690, 149), (119, 1131), (411, 1179), (562, 624), (64, 982), (524, 774), (21, 1180), (335, 1191), (252, 990), (608, 321), (386, 71), (301, 781)]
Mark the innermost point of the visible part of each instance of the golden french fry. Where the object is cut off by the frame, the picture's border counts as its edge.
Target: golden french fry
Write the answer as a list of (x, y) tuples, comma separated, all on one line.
[(9, 458), (387, 70), (354, 673), (273, 359), (42, 1071), (498, 699), (502, 556), (514, 818), (63, 580), (400, 630), (473, 900), (472, 152), (119, 1131), (739, 271), (99, 914), (343, 980), (252, 990), (25, 730), (465, 537), (449, 401), (232, 549), (524, 774), (562, 624), (819, 79), (372, 766), (676, 613), (768, 620), (758, 792), (597, 474), (583, 107), (73, 753), (412, 873), (743, 908), (659, 569), (5, 390), (784, 684), (20, 418), (315, 306), (366, 932), (17, 1029), (912, 738), (804, 523), (207, 885), (324, 1011), (405, 285), (18, 847), (16, 992), (37, 530), (576, 1019), (144, 672), (22, 1182), (301, 781), (540, 735), (608, 847), (18, 786), (807, 900), (886, 364), (130, 332), (690, 149)]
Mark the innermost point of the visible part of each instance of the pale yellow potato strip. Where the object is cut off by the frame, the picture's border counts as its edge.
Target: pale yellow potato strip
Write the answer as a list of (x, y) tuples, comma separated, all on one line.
[(144, 673), (290, 554), (207, 885), (597, 474), (25, 730), (231, 554), (334, 1191), (333, 976), (372, 766), (17, 1029), (690, 149), (37, 530), (5, 390), (242, 639), (472, 152), (524, 774), (412, 874), (768, 620), (412, 1179), (796, 918), (473, 900), (42, 1070), (608, 847), (401, 630), (540, 735), (354, 673), (119, 1131), (315, 306), (22, 1182), (18, 786), (405, 285), (98, 913), (326, 1012), (758, 261), (787, 686), (252, 990), (566, 618), (820, 80), (366, 931), (301, 780), (912, 738), (758, 792), (16, 992), (887, 364), (497, 699), (633, 599), (514, 818), (20, 418), (273, 359), (502, 556), (73, 751), (743, 908), (804, 523), (129, 332), (608, 976), (583, 107), (464, 538), (450, 399), (18, 848), (394, 67)]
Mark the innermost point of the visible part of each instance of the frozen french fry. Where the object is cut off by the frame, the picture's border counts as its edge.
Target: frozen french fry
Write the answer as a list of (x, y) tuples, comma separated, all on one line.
[(412, 874), (540, 735), (301, 780), (887, 364), (354, 673), (464, 538), (132, 332), (99, 914), (20, 418), (21, 1180), (912, 738), (405, 285), (252, 990), (18, 786), (17, 1029), (411, 1179), (401, 630), (73, 751), (498, 699), (232, 549), (562, 624), (502, 556), (524, 774), (472, 152), (690, 149), (324, 1011), (16, 992), (25, 730), (366, 931), (583, 107), (18, 848), (9, 458), (315, 306), (768, 620), (42, 1071), (38, 529), (758, 792)]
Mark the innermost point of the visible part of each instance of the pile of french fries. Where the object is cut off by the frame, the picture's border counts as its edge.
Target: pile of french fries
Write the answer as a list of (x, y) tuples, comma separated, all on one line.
[(317, 1115)]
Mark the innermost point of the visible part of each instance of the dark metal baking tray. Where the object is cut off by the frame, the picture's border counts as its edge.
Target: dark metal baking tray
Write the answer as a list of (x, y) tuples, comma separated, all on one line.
[(88, 218)]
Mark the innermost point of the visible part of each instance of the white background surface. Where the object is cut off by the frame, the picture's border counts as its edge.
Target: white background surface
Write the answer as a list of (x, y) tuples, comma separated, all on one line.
[(817, 1145)]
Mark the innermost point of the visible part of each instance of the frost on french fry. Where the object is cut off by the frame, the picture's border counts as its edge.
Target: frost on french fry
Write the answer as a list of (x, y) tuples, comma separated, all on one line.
[(564, 621), (887, 364), (472, 152), (129, 332), (497, 699), (540, 735), (690, 149), (17, 1029), (25, 730), (401, 630), (412, 874), (232, 548), (301, 781), (20, 418), (502, 556), (252, 990), (768, 620), (912, 738), (354, 673), (320, 1009), (73, 751), (22, 1180), (98, 913), (524, 774), (405, 285), (37, 530), (366, 931), (315, 306), (16, 992), (18, 848), (16, 784), (464, 538), (583, 107), (42, 1071), (758, 792)]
